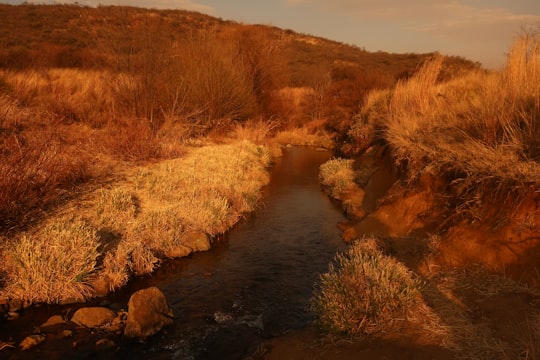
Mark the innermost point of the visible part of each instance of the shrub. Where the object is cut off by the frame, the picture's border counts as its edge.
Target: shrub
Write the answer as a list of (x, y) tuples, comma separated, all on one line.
[(35, 171), (364, 291)]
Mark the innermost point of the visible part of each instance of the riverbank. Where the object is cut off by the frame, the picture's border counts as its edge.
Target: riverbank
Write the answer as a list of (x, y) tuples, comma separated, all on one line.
[(96, 243), (465, 311), (253, 284), (455, 168)]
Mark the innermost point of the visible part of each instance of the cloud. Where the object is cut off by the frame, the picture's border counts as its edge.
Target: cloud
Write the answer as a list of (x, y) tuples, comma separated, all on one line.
[(471, 20), (156, 4)]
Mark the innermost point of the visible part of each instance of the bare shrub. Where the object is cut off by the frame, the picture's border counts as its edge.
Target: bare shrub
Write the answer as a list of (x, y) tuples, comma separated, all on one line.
[(35, 171), (200, 80), (130, 139)]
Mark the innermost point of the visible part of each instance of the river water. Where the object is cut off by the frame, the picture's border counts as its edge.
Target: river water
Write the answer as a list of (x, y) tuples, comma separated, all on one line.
[(256, 281)]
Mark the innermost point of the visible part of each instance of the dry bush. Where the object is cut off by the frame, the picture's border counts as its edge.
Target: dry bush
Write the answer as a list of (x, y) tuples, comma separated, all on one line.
[(200, 81), (52, 265), (36, 172), (364, 291), (257, 131), (67, 95), (344, 95), (131, 140)]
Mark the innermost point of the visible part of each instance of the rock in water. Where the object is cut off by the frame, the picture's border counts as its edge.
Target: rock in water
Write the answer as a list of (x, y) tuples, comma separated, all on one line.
[(198, 241), (31, 341), (148, 313), (93, 317)]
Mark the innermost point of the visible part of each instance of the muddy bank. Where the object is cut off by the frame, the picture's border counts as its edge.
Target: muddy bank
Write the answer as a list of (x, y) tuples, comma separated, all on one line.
[(426, 229)]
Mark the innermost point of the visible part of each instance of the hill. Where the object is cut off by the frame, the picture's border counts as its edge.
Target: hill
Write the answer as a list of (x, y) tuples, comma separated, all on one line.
[(133, 84), (85, 37)]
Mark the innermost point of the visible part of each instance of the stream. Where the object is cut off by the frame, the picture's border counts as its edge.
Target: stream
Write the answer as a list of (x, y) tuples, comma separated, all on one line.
[(253, 285)]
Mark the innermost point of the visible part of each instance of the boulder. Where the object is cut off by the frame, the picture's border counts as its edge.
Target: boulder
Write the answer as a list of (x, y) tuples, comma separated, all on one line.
[(103, 344), (101, 287), (31, 341), (148, 313), (198, 241), (93, 317), (53, 321), (177, 251)]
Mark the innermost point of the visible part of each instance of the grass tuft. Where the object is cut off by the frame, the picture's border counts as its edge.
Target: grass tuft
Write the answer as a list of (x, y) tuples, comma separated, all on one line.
[(54, 264), (364, 291), (338, 176)]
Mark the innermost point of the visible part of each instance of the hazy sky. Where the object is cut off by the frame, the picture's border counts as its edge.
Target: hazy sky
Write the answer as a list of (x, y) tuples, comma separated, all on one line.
[(481, 30)]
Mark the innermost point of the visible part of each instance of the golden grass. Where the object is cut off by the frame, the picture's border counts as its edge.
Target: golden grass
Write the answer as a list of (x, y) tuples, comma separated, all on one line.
[(206, 192), (164, 210), (69, 94), (311, 133), (337, 175), (53, 264), (365, 291), (481, 129)]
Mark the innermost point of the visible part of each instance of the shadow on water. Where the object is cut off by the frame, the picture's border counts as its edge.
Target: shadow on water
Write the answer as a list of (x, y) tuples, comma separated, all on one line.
[(256, 281)]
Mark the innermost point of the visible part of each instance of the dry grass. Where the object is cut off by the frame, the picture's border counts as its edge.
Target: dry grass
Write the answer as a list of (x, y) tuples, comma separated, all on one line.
[(37, 171), (311, 133), (66, 94), (206, 192), (53, 264), (473, 313), (337, 175), (481, 129), (365, 291), (164, 210), (456, 315), (161, 206)]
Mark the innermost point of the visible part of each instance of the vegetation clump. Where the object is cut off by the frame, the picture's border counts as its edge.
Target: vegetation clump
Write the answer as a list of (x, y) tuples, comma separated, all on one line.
[(364, 291), (337, 175), (53, 264)]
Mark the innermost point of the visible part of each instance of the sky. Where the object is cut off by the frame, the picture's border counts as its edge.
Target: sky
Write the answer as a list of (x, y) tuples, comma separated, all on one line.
[(479, 30)]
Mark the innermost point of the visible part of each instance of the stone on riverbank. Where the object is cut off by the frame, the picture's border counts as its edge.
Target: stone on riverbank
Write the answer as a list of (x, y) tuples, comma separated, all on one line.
[(93, 317), (53, 321), (31, 341), (198, 241), (148, 313)]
